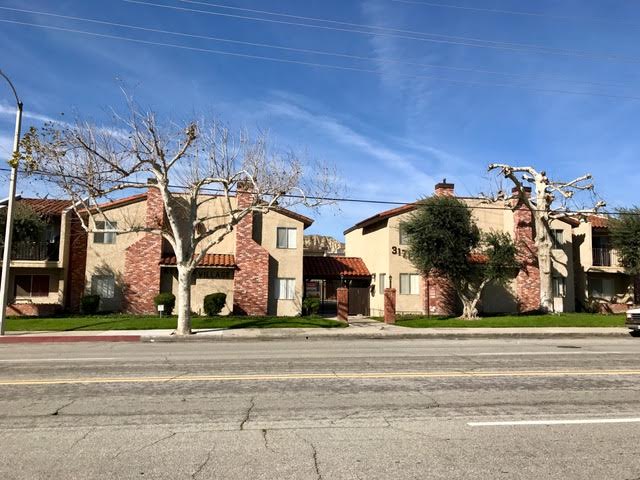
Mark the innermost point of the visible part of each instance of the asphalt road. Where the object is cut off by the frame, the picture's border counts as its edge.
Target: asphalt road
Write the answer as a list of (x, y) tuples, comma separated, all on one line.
[(423, 409)]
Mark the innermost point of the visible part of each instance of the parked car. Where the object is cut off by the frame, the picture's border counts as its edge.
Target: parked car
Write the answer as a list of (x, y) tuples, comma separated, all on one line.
[(633, 321)]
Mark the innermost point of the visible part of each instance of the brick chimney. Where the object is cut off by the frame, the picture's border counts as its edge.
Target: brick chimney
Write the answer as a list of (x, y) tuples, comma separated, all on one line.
[(528, 279), (444, 189), (142, 259), (251, 278)]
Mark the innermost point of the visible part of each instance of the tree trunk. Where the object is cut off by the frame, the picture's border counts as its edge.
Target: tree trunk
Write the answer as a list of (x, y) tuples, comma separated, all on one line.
[(545, 264), (470, 300), (184, 300)]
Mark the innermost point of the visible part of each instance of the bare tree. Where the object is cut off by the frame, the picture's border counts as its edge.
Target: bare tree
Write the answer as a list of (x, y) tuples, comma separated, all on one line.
[(91, 163), (550, 201)]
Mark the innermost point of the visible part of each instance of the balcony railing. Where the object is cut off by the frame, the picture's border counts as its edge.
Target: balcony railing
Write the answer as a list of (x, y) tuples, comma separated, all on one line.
[(604, 257), (35, 251)]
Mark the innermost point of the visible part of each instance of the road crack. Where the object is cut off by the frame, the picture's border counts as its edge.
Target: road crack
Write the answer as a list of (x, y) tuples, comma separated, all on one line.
[(265, 440), (166, 437), (83, 437), (202, 465), (314, 456), (248, 412), (57, 411)]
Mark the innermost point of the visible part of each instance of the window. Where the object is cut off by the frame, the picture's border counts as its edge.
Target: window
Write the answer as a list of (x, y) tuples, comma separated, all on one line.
[(31, 286), (285, 288), (559, 287), (381, 283), (557, 237), (409, 284), (286, 237), (105, 232), (404, 237), (103, 285), (602, 287)]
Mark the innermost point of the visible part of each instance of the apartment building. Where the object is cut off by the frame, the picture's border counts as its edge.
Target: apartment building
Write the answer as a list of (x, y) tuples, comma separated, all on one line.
[(601, 281), (381, 242), (258, 265), (47, 273)]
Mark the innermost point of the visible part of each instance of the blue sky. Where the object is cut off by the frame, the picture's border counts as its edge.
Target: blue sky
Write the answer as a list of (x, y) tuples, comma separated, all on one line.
[(393, 126)]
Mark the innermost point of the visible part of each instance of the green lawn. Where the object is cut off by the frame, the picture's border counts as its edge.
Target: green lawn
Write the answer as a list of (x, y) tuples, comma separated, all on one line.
[(509, 321), (140, 322)]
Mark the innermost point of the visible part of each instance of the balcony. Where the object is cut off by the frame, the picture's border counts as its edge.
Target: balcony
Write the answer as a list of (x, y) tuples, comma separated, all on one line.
[(35, 251), (604, 257)]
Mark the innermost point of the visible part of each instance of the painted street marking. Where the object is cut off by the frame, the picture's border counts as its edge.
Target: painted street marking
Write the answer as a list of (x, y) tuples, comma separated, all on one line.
[(555, 422), (36, 360), (318, 376)]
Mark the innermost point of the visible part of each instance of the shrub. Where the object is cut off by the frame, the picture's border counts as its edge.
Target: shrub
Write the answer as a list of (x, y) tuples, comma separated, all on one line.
[(89, 304), (214, 303), (167, 299), (310, 306)]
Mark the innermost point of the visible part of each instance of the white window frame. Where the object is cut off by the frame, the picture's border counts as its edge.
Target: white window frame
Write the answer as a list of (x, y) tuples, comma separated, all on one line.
[(285, 289), (104, 286), (105, 232), (559, 286), (291, 238), (604, 282), (381, 285), (414, 284)]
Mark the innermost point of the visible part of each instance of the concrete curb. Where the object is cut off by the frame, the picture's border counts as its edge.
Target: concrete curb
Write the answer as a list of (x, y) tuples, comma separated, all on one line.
[(382, 336), (68, 338)]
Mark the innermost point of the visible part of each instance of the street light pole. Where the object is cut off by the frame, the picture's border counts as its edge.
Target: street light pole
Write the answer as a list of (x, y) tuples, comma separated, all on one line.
[(6, 255)]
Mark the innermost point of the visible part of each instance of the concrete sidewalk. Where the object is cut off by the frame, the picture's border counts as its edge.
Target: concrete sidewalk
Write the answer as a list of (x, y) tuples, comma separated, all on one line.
[(359, 328)]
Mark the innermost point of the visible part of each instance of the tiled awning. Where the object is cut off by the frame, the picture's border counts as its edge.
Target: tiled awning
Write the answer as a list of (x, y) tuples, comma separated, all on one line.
[(216, 260), (334, 267)]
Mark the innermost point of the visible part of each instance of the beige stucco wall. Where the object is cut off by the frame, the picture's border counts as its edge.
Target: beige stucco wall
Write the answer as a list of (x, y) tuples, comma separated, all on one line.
[(109, 259), (562, 264), (283, 263), (200, 288)]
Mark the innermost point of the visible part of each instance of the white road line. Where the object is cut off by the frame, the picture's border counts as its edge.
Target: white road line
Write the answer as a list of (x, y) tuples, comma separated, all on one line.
[(54, 360), (505, 354), (584, 421)]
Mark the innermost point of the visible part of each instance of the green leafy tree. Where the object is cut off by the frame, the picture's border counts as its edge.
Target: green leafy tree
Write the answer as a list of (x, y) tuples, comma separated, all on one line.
[(624, 229), (445, 240)]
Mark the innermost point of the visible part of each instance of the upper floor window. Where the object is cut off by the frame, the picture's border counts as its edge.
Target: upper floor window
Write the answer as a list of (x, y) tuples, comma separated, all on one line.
[(105, 232), (409, 284), (286, 237), (404, 236), (557, 237), (31, 286)]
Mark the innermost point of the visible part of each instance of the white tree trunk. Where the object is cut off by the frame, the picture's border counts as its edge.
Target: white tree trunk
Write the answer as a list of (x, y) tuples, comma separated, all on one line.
[(545, 262), (184, 300), (470, 298)]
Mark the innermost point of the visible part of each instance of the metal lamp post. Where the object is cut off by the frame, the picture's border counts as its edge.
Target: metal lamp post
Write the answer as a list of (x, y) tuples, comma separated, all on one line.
[(6, 256)]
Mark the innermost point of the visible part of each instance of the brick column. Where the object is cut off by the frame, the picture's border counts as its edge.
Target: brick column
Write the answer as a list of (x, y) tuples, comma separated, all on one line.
[(389, 305), (343, 304), (251, 278), (142, 261), (77, 263), (528, 279)]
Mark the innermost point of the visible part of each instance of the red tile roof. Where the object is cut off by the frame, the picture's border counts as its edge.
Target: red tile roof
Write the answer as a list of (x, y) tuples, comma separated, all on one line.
[(334, 267), (378, 217), (598, 222), (46, 206), (210, 260), (123, 201)]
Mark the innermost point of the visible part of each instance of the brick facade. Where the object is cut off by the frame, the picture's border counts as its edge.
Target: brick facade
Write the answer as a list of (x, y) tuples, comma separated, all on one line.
[(251, 278), (528, 278), (78, 240), (342, 297), (142, 261), (32, 309)]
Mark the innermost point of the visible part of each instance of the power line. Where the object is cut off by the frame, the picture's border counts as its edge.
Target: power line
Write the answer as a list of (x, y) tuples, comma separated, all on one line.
[(442, 39), (322, 65), (514, 12), (328, 199), (314, 52)]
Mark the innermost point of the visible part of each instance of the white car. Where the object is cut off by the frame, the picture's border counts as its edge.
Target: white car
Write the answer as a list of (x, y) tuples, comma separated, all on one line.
[(633, 321)]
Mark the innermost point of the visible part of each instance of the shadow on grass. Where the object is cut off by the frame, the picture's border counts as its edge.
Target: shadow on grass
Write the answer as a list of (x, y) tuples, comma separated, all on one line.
[(295, 322)]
